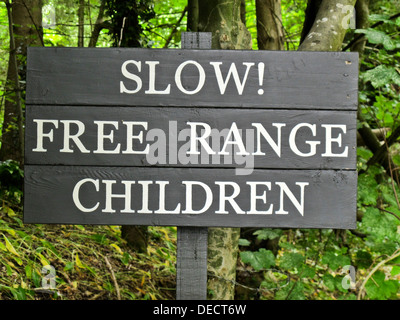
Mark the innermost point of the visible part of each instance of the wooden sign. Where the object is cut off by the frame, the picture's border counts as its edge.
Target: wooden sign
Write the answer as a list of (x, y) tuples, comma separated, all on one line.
[(191, 138)]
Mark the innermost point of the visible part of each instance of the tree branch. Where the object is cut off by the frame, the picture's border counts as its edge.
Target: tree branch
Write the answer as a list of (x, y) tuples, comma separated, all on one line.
[(360, 36), (328, 30), (176, 27), (393, 256), (98, 26), (34, 23)]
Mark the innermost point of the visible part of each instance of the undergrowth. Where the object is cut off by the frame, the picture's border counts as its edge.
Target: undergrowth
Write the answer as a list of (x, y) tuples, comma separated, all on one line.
[(63, 262)]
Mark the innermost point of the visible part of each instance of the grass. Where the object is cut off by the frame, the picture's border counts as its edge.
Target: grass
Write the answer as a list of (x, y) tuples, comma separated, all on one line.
[(86, 262)]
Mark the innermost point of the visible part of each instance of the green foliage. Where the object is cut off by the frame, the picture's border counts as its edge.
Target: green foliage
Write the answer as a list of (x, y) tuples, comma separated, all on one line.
[(293, 13), (163, 30), (90, 262), (263, 259), (318, 263), (11, 181), (304, 264), (128, 20), (265, 234), (380, 37), (379, 288)]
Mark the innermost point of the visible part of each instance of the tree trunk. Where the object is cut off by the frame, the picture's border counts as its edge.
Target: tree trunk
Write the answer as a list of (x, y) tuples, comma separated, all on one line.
[(193, 15), (25, 30), (269, 25), (222, 19), (362, 14), (310, 14), (98, 26), (270, 36), (81, 23), (126, 32), (329, 26)]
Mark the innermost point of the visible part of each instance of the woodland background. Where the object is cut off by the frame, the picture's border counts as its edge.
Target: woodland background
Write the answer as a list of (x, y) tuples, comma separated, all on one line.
[(113, 262)]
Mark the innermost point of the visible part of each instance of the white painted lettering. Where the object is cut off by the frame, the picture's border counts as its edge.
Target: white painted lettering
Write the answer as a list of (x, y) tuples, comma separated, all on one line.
[(330, 140), (130, 137), (201, 139), (178, 77), (75, 194), (75, 137), (162, 209), (189, 196), (110, 195), (101, 136), (284, 189), (232, 72), (40, 135), (276, 146), (152, 80), (254, 197), (223, 198), (130, 76), (312, 144)]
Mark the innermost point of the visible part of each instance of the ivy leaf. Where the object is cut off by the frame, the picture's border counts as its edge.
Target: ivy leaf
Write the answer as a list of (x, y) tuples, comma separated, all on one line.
[(261, 259), (381, 76)]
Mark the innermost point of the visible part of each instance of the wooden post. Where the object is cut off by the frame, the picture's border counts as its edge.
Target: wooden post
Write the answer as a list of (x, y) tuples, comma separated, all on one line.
[(191, 272)]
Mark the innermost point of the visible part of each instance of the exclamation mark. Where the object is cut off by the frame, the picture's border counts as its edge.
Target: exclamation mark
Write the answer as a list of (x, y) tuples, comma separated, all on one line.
[(261, 77)]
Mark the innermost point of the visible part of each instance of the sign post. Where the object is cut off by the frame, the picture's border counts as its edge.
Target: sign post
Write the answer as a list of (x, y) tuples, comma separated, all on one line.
[(193, 138), (191, 255)]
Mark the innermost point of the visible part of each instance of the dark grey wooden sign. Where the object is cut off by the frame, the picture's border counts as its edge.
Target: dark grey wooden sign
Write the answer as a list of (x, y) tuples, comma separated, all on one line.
[(190, 197), (161, 136), (192, 78), (191, 138)]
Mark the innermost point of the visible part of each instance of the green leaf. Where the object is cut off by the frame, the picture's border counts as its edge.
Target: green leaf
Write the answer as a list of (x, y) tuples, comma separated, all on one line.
[(291, 261), (395, 270), (381, 17), (69, 266), (244, 242), (294, 291), (378, 288), (10, 247), (380, 226), (307, 272), (329, 281), (379, 37), (36, 278), (267, 234), (381, 76), (335, 260), (367, 189), (262, 259), (51, 248), (363, 259)]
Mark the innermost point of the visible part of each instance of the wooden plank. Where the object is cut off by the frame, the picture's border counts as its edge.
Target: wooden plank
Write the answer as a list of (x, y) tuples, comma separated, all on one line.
[(191, 260), (166, 134), (197, 197), (189, 78), (192, 242)]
